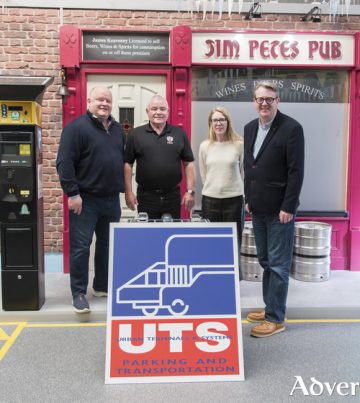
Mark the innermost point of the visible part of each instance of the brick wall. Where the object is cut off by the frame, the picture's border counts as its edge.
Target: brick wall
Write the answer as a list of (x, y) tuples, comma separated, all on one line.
[(29, 46)]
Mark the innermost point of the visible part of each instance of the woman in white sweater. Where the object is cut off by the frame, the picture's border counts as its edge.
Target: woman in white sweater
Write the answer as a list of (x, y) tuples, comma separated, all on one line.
[(221, 171)]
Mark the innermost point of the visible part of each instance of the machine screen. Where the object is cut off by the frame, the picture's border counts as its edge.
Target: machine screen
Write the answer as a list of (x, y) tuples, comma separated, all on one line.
[(10, 149), (15, 108)]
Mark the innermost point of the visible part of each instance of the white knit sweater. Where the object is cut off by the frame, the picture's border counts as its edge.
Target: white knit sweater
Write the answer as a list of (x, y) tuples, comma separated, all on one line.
[(221, 168)]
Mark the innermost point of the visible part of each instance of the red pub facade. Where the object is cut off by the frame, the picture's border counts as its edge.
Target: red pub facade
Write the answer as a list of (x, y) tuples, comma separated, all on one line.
[(317, 74)]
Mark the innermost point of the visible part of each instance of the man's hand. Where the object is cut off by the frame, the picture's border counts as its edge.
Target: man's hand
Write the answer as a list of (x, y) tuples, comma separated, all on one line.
[(75, 204), (285, 217), (247, 209), (131, 200), (188, 201)]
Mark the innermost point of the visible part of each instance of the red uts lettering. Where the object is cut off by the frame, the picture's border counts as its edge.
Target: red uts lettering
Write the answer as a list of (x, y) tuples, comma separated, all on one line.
[(209, 337)]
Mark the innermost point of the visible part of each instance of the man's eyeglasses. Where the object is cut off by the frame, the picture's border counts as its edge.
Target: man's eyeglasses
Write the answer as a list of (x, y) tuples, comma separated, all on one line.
[(268, 100), (220, 120)]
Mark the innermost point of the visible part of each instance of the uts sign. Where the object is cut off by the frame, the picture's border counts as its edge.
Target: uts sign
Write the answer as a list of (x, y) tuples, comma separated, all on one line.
[(173, 310)]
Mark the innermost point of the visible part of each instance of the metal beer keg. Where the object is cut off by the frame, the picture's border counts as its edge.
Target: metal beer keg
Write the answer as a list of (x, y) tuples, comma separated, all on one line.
[(250, 267), (311, 258)]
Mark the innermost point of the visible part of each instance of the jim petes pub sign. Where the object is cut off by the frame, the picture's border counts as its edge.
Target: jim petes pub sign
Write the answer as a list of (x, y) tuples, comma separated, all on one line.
[(275, 48)]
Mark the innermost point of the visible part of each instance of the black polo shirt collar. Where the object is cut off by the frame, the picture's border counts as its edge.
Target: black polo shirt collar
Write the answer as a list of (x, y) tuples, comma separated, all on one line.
[(166, 129)]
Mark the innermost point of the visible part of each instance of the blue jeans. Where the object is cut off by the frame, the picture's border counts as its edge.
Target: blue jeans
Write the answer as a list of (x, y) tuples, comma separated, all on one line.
[(274, 244), (96, 215)]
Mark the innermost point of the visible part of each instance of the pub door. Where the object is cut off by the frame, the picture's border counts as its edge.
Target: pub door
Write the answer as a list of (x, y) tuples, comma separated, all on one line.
[(131, 95)]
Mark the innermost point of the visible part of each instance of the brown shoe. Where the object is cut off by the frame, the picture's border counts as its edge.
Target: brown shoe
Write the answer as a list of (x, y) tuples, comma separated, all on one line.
[(256, 316), (267, 329)]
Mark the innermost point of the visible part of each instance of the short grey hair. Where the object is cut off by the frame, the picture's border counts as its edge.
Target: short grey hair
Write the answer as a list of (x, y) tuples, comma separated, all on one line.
[(157, 97), (270, 85)]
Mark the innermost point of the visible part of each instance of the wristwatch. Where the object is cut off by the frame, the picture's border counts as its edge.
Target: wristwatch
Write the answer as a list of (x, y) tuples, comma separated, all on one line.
[(191, 192)]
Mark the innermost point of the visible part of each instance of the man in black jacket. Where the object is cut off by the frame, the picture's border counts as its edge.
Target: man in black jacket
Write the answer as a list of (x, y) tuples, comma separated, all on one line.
[(274, 170), (90, 164)]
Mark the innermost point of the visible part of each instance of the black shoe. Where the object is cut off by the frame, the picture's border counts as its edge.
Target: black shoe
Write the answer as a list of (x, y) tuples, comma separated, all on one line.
[(80, 304)]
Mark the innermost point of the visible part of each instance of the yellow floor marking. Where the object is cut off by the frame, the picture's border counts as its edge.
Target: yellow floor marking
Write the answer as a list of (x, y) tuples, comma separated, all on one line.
[(100, 324), (315, 321), (65, 324), (11, 339), (323, 320), (3, 335)]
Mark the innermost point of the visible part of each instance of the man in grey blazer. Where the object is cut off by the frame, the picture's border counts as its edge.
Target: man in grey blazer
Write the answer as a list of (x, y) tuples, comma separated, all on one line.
[(274, 170)]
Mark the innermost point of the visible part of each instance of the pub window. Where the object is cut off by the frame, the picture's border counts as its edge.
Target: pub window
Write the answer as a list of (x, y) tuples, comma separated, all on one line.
[(318, 99)]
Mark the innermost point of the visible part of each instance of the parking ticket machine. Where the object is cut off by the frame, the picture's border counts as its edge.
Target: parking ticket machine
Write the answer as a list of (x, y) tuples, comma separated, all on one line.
[(21, 206)]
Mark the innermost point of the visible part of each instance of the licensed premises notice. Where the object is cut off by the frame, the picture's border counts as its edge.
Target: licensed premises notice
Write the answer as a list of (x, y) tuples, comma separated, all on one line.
[(101, 47)]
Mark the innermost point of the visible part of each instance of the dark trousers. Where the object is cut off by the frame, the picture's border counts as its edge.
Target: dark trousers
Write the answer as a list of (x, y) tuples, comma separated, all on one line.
[(158, 202), (229, 209), (96, 215)]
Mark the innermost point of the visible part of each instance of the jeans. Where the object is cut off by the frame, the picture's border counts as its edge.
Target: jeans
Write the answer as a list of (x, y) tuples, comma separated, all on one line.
[(274, 244), (158, 202), (96, 215), (229, 209)]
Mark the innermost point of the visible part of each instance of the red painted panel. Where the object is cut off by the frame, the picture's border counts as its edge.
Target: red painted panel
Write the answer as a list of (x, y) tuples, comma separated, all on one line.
[(354, 164), (354, 236), (70, 46), (180, 49)]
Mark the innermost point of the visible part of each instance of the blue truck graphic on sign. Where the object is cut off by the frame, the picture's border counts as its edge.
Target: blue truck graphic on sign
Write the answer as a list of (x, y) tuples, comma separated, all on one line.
[(189, 279)]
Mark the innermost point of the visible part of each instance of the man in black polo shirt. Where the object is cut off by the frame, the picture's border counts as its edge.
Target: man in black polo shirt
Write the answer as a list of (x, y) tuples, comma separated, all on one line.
[(158, 149)]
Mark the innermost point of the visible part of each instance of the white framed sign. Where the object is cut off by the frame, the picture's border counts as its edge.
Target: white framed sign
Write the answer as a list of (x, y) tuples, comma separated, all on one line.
[(288, 49), (173, 304)]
